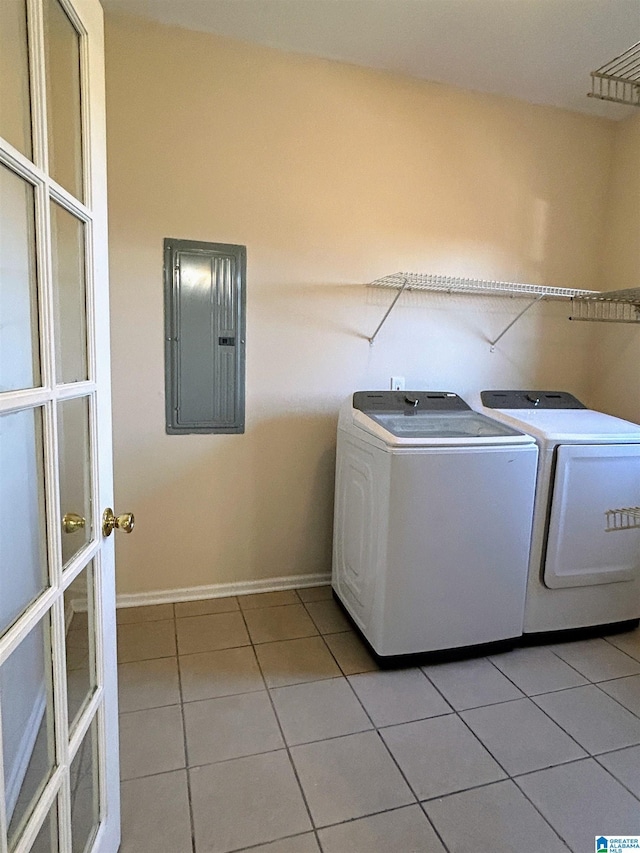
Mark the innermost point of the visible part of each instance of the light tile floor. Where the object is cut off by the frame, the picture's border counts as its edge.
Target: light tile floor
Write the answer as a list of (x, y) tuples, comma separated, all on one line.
[(261, 723)]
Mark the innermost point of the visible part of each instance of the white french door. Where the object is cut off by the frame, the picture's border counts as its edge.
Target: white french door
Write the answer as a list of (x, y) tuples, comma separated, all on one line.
[(59, 786)]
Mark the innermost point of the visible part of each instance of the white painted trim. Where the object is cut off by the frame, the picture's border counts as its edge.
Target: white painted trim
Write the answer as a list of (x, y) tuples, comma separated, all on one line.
[(16, 774), (221, 590)]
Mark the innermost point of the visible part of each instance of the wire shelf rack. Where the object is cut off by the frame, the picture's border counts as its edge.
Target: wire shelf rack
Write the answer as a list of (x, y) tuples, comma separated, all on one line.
[(606, 310), (482, 287), (619, 306), (626, 518), (619, 79)]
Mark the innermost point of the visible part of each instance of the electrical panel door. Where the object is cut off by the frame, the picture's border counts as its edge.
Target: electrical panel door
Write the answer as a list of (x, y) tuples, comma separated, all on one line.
[(205, 336)]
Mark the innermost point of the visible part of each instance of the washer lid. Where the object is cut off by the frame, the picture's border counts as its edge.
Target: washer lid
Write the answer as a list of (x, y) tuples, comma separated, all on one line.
[(442, 425), (453, 428), (577, 425)]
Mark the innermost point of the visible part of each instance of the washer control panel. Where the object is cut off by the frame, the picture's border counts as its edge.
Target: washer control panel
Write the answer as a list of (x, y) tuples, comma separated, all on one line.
[(407, 401), (530, 400)]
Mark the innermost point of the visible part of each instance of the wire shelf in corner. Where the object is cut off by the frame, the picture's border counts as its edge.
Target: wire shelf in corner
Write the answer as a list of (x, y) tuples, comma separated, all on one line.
[(619, 79), (482, 287)]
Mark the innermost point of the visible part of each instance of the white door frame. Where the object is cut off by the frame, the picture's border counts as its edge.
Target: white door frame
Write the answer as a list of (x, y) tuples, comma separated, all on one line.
[(87, 18)]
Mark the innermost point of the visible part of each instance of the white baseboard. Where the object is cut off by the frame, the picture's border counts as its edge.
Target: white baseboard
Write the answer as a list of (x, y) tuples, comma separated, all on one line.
[(220, 590)]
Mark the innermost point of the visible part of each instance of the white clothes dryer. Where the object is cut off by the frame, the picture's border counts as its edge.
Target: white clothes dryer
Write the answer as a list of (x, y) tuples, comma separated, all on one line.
[(584, 570), (433, 517)]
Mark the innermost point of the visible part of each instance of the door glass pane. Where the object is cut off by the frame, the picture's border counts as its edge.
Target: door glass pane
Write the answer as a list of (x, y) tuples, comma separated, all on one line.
[(19, 351), (85, 800), (27, 725), (47, 839), (62, 46), (74, 460), (80, 656), (15, 101), (23, 553), (67, 260)]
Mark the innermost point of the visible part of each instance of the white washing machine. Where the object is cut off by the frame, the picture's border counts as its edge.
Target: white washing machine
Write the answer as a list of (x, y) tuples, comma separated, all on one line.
[(585, 557), (433, 516)]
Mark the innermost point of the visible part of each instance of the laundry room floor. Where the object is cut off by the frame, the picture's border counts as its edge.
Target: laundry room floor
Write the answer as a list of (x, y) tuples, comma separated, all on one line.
[(261, 723)]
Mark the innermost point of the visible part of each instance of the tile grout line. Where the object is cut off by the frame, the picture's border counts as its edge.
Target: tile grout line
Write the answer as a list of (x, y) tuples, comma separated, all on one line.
[(588, 754), (153, 707), (575, 668), (337, 737), (335, 658), (606, 769), (555, 722), (320, 631), (615, 699), (145, 660), (383, 727), (616, 678), (572, 761), (331, 738), (393, 758), (304, 604), (542, 692), (509, 776), (381, 812), (267, 843), (528, 798), (385, 745), (184, 738), (284, 740), (624, 652), (153, 775), (456, 713), (512, 779), (264, 606), (375, 728)]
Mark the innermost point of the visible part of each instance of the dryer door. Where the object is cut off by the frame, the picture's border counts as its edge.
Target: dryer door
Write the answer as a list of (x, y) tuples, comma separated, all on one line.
[(589, 480)]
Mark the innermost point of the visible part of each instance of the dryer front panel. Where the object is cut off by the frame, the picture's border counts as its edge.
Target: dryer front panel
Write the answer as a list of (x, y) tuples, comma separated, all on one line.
[(589, 481)]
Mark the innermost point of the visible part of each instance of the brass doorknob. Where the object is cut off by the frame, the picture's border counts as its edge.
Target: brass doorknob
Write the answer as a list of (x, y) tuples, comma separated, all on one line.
[(72, 522), (125, 522)]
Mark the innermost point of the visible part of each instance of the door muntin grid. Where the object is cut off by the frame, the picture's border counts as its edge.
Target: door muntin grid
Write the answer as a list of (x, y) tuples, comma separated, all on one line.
[(46, 840)]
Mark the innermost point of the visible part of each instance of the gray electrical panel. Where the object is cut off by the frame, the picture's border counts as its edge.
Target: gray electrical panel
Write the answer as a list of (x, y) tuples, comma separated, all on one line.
[(204, 336)]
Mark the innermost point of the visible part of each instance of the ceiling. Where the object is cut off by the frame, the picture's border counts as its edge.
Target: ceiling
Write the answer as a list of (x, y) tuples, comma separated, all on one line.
[(538, 50)]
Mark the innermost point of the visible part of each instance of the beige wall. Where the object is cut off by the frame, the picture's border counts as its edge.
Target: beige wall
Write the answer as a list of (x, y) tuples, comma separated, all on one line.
[(331, 175), (616, 359)]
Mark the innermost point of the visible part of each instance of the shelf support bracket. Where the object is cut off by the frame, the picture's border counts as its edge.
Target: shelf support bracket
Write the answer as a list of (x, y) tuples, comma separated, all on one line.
[(389, 310), (493, 343)]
